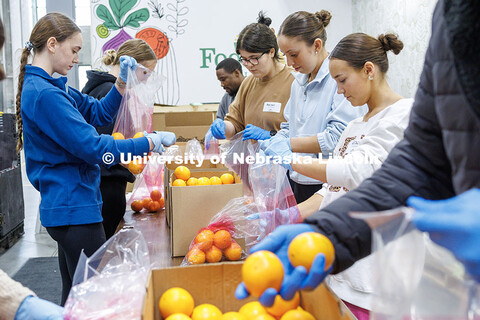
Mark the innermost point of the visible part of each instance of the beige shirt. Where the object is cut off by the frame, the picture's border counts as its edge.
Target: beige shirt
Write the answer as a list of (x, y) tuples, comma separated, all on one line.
[(261, 103), (12, 294)]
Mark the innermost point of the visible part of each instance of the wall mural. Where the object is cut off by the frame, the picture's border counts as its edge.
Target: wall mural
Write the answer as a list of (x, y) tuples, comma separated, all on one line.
[(127, 19)]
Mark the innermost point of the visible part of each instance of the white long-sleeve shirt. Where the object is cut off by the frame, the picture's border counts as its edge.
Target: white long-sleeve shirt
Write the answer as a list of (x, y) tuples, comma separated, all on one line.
[(371, 140), (315, 108)]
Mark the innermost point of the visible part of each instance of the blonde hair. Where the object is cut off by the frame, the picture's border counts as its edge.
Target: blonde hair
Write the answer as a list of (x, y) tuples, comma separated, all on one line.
[(135, 48)]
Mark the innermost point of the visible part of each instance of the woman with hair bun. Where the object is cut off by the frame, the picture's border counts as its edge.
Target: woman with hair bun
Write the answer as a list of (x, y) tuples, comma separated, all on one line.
[(316, 115), (358, 64), (259, 104), (114, 179)]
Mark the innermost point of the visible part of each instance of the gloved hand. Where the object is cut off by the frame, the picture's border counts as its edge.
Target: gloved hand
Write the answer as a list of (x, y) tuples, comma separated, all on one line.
[(269, 220), (160, 139), (295, 279), (218, 129), (34, 308), (126, 62), (255, 133), (208, 138), (454, 224), (279, 147)]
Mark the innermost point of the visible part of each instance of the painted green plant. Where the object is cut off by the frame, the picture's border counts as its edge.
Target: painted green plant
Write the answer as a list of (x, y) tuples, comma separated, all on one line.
[(119, 9)]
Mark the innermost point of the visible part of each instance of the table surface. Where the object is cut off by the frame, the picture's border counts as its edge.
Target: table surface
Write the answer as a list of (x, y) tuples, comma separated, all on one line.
[(155, 230)]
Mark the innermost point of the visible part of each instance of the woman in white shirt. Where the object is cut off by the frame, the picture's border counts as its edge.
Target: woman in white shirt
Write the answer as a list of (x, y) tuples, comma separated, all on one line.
[(358, 64), (315, 110)]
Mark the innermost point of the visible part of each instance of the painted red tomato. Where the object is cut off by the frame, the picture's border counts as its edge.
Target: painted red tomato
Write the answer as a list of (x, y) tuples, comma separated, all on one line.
[(156, 39)]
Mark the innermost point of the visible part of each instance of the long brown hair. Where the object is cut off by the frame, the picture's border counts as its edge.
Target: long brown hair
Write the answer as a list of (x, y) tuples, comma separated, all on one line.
[(308, 26), (54, 25), (135, 48), (358, 48)]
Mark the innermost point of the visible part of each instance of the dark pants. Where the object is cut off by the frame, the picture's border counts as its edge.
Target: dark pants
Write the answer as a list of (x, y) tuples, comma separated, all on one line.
[(303, 191), (114, 203), (71, 240)]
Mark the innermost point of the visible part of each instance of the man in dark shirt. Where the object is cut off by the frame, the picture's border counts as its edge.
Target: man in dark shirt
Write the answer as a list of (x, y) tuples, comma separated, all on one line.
[(229, 73)]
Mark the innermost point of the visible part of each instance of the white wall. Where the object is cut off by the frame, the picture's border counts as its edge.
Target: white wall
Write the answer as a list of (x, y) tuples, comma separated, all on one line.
[(411, 20), (216, 24)]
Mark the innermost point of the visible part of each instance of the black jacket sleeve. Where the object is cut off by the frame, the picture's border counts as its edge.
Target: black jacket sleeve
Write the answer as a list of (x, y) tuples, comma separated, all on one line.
[(416, 166)]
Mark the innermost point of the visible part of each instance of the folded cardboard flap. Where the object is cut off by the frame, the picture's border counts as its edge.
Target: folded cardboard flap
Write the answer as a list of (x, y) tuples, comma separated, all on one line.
[(216, 284)]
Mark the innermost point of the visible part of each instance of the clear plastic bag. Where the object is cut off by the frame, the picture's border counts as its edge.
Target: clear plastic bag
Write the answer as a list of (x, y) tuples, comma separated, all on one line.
[(232, 219), (193, 149), (111, 283), (414, 277), (136, 109), (148, 189)]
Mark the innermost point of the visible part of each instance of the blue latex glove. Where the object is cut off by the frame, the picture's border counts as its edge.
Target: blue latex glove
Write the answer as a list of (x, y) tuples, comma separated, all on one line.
[(126, 63), (295, 279), (454, 224), (269, 220), (34, 308), (218, 129), (208, 138), (160, 139), (255, 133), (279, 147)]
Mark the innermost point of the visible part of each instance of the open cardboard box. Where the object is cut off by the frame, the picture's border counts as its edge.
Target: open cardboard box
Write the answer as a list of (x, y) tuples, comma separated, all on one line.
[(192, 207), (216, 284)]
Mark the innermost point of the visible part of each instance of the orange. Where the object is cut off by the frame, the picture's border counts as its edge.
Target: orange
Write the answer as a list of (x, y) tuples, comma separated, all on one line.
[(176, 300), (298, 314), (118, 136), (213, 254), (182, 172), (146, 203), (252, 309), (222, 239), (204, 239), (162, 202), (206, 311), (215, 180), (138, 135), (233, 252), (227, 178), (156, 195), (281, 306), (192, 181), (233, 316), (135, 168), (137, 206), (305, 247), (262, 270), (264, 316), (178, 316), (179, 183), (203, 181), (154, 206), (196, 256)]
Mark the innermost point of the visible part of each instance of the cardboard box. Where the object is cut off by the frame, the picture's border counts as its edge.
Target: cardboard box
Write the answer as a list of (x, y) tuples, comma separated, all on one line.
[(216, 284), (192, 207), (186, 122)]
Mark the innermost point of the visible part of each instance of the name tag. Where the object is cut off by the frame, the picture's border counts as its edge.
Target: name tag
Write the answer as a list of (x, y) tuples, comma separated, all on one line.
[(272, 107)]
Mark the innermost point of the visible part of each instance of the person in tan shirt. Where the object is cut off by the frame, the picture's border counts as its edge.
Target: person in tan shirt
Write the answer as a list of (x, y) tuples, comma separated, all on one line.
[(258, 107)]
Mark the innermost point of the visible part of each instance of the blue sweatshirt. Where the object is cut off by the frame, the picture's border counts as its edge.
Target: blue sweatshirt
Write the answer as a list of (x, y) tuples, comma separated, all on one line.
[(63, 149)]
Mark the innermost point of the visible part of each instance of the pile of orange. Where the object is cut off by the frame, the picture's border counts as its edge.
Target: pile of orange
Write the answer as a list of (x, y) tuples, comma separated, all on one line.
[(209, 246), (154, 203), (178, 304), (135, 166), (183, 178)]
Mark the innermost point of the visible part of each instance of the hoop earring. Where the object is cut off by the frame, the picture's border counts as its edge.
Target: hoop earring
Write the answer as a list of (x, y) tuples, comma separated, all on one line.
[(370, 78)]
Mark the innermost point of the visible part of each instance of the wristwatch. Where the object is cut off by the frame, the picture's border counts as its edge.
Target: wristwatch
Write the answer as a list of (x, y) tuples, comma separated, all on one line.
[(273, 132)]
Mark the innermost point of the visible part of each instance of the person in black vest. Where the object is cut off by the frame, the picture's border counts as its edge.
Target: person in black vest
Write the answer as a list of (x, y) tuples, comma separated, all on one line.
[(114, 180)]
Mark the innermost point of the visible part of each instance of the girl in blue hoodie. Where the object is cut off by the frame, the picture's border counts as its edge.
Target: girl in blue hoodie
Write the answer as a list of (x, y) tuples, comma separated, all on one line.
[(62, 148)]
